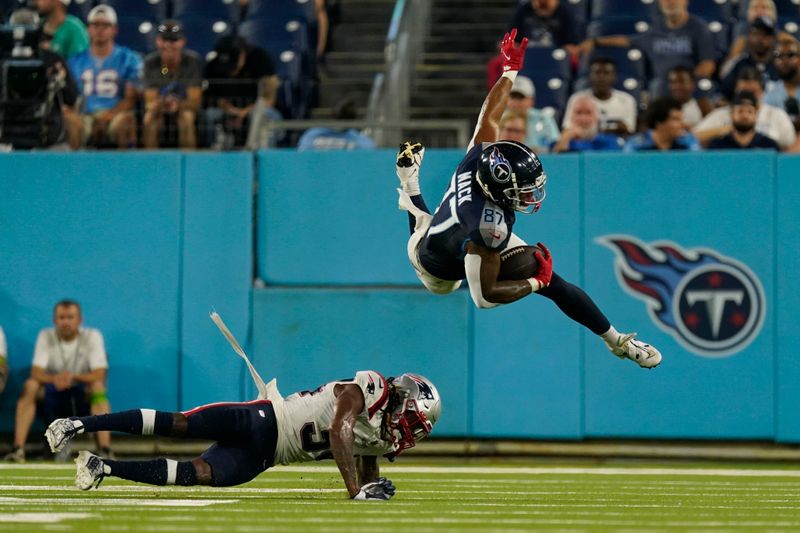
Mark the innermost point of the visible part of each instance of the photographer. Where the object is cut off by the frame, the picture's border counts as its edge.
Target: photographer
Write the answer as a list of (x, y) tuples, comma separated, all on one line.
[(35, 85)]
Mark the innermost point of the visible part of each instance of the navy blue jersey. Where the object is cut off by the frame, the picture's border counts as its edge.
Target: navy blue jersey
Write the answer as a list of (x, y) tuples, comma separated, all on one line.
[(464, 215)]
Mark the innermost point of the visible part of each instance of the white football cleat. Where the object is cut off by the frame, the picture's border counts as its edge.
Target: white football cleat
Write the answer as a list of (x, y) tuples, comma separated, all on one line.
[(91, 470), (644, 355), (409, 159), (61, 431)]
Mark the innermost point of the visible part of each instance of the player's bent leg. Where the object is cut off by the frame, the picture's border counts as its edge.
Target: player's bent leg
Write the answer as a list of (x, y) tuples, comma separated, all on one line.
[(92, 469), (577, 305)]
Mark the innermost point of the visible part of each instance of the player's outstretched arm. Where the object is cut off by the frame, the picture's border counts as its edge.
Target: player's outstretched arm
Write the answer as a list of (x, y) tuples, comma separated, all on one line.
[(482, 266), (488, 126), (349, 403)]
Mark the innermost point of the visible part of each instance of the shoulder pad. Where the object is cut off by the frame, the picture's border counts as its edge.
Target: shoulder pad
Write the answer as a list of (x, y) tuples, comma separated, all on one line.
[(375, 390)]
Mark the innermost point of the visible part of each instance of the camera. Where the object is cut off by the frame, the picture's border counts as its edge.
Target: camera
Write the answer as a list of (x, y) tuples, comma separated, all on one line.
[(27, 90)]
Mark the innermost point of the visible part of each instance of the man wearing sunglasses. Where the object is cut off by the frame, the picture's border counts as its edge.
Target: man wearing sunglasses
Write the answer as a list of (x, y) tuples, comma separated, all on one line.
[(786, 92), (173, 92)]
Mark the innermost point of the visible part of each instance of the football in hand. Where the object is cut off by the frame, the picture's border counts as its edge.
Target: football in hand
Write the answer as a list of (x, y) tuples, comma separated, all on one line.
[(518, 263)]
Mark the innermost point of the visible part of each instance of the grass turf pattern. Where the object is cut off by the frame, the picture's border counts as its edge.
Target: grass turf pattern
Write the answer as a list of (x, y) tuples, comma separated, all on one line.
[(431, 496)]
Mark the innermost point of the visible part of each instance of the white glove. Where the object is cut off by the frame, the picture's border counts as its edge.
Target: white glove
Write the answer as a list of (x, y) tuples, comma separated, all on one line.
[(409, 159), (383, 489)]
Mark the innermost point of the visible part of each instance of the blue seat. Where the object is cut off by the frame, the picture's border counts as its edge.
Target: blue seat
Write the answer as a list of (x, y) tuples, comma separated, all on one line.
[(228, 10), (790, 25), (550, 71), (282, 10), (202, 32), (603, 9), (293, 34), (155, 10), (579, 10), (549, 62), (712, 10), (137, 33), (617, 26), (80, 8)]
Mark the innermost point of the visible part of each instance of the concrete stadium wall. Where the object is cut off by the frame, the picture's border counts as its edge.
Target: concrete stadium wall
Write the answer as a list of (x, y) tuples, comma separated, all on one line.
[(150, 243)]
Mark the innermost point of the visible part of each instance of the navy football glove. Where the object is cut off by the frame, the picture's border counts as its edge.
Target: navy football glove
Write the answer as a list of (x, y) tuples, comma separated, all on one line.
[(383, 489)]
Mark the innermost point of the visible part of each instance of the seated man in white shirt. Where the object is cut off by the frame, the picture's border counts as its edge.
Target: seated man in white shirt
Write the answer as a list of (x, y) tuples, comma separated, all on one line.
[(770, 121), (69, 366), (616, 109)]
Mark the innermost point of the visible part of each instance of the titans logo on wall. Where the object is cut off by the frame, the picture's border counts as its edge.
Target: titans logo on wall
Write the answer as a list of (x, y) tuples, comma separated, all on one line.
[(712, 304)]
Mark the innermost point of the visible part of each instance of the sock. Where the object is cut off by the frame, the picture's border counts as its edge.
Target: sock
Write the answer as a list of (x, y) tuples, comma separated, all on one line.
[(576, 304), (135, 421), (611, 336), (411, 186), (155, 472), (419, 202)]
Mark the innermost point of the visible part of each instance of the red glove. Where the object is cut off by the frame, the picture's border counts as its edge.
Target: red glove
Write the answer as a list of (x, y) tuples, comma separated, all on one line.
[(545, 261), (513, 56)]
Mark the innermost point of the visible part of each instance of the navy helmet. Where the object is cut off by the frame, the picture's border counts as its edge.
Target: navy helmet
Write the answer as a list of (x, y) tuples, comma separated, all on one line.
[(512, 176)]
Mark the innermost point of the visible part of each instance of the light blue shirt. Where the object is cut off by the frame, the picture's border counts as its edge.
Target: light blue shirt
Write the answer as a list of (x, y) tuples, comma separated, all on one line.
[(542, 130), (776, 94), (102, 82), (322, 139)]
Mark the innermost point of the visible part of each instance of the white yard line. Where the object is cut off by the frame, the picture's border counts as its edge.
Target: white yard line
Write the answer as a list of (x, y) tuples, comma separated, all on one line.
[(43, 518), (160, 502)]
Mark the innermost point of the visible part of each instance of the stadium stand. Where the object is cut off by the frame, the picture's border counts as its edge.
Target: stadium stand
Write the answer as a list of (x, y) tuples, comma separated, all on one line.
[(605, 9), (155, 10), (551, 73), (227, 10), (202, 31), (80, 8), (617, 26)]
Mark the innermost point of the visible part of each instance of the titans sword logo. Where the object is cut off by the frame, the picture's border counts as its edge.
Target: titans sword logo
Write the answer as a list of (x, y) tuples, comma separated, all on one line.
[(711, 304)]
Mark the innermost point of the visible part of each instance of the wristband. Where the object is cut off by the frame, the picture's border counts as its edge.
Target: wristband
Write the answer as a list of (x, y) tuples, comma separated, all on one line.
[(535, 284), (510, 74)]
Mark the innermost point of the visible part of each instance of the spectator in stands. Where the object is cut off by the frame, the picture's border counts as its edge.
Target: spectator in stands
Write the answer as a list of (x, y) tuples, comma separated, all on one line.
[(583, 133), (785, 93), (742, 132), (324, 139), (681, 87), (616, 109), (39, 123), (546, 23), (676, 38), (758, 54), (771, 121), (494, 68), (69, 371), (3, 361), (108, 77), (542, 127), (234, 75), (513, 126), (666, 131), (262, 134), (172, 82), (66, 33), (755, 9)]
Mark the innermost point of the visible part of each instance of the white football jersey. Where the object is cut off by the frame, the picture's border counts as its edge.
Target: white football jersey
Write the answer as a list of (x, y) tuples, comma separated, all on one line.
[(305, 418)]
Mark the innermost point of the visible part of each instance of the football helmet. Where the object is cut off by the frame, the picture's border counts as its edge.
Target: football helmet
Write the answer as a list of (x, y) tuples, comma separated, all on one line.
[(414, 407), (512, 176)]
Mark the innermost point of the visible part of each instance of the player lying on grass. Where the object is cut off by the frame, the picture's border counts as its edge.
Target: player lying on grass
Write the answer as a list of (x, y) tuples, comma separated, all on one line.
[(473, 224), (352, 421)]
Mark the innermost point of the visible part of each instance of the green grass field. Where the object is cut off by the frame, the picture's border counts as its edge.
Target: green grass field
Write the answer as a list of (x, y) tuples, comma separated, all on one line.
[(430, 496)]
